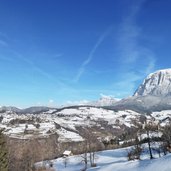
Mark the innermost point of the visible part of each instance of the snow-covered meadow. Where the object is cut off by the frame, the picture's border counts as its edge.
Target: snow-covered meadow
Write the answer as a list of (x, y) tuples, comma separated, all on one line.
[(69, 119), (115, 160)]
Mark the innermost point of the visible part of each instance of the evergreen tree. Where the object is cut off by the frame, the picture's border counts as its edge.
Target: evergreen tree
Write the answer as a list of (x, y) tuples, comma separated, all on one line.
[(3, 153)]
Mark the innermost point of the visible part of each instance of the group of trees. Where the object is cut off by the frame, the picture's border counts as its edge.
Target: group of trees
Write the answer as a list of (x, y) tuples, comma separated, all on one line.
[(135, 151), (90, 148), (158, 140), (21, 155), (33, 149), (3, 153)]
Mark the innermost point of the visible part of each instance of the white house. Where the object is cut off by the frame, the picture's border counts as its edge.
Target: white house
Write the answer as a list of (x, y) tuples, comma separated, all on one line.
[(67, 153)]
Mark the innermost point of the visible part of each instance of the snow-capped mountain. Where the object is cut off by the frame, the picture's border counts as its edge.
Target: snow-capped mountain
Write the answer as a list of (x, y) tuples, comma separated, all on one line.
[(156, 84), (104, 101), (105, 116), (154, 94)]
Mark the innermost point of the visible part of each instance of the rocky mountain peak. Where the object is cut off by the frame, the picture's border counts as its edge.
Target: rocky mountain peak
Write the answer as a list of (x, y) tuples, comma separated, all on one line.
[(156, 84)]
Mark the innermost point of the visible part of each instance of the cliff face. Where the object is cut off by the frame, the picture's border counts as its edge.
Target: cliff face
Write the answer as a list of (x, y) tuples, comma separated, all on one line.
[(156, 84), (154, 94)]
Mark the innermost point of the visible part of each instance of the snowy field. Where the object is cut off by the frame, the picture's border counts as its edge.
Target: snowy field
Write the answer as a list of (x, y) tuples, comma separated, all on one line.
[(116, 160), (69, 119)]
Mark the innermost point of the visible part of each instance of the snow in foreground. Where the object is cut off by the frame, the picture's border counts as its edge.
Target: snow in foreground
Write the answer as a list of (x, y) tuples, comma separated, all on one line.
[(115, 160)]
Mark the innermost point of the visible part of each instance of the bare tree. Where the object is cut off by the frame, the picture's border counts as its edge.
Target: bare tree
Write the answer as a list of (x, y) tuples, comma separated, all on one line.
[(167, 136), (136, 150), (84, 156), (65, 161), (150, 128), (149, 141), (90, 148), (91, 141)]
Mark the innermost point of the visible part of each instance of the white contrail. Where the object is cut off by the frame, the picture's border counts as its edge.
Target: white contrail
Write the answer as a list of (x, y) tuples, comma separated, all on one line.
[(91, 54), (38, 69)]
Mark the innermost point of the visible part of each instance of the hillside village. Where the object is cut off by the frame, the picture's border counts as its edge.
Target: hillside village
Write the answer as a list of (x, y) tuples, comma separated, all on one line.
[(85, 129), (85, 85)]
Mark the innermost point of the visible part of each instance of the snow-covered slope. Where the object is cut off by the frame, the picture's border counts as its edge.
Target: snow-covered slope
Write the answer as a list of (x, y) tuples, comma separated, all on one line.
[(156, 84), (68, 123), (115, 160)]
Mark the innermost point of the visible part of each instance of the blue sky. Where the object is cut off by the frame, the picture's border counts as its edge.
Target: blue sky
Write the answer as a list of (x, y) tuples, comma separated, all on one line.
[(61, 51)]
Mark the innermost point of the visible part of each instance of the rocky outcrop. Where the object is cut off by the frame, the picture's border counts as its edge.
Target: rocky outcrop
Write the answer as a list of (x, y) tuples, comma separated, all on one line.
[(156, 84)]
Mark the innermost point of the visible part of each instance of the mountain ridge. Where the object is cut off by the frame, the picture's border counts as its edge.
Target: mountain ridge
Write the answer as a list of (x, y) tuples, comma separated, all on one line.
[(154, 94), (156, 84)]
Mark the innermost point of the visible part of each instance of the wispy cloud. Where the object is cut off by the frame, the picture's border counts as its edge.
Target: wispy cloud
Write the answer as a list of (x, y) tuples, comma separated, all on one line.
[(51, 103), (39, 70), (132, 51), (126, 86), (58, 55), (3, 39), (91, 54), (129, 35), (151, 62), (15, 57), (3, 43)]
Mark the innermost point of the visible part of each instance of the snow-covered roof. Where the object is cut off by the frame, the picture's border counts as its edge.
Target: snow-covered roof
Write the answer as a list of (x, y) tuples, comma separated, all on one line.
[(67, 153)]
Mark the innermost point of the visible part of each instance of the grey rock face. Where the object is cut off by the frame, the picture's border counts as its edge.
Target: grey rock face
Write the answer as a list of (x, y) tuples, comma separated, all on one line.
[(156, 84), (154, 94)]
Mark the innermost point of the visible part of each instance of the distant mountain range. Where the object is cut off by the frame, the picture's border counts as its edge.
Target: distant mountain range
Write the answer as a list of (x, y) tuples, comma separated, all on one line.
[(34, 109), (105, 117), (154, 94), (103, 101)]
